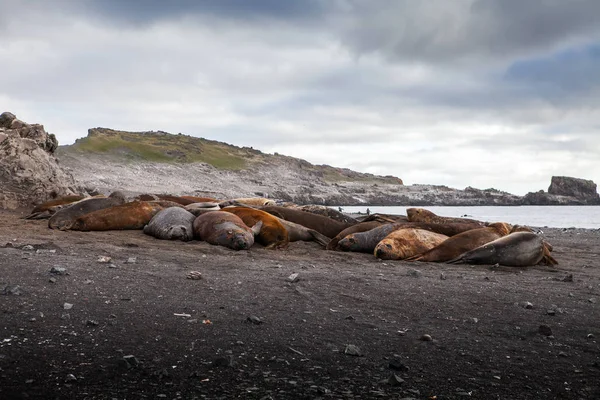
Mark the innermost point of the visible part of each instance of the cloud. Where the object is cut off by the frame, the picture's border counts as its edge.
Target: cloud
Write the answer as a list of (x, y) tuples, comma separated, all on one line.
[(482, 93)]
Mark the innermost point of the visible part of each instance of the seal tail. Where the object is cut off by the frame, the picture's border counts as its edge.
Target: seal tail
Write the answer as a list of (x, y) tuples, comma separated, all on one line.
[(319, 238)]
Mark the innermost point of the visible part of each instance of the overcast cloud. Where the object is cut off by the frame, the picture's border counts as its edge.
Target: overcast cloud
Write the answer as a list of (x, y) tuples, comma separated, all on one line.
[(482, 93)]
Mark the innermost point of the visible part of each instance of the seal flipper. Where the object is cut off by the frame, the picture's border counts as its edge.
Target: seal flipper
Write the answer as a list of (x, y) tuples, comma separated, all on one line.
[(319, 237), (256, 228), (547, 259)]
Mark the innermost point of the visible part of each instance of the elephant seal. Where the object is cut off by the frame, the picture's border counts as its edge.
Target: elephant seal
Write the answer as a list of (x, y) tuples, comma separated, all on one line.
[(518, 249), (360, 227), (196, 199), (319, 223), (423, 215), (366, 241), (46, 209), (463, 242), (207, 205), (225, 229), (64, 218), (132, 215), (168, 197), (249, 201), (407, 242), (328, 212), (297, 232), (173, 223), (272, 233)]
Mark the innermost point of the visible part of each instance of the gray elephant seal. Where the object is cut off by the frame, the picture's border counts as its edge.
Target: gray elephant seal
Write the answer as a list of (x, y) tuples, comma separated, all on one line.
[(64, 218), (173, 223), (519, 249)]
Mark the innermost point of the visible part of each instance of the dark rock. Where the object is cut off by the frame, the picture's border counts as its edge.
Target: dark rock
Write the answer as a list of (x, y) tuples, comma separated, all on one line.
[(545, 330), (59, 271), (397, 365), (254, 319), (353, 350), (395, 380), (225, 361), (581, 189), (14, 290)]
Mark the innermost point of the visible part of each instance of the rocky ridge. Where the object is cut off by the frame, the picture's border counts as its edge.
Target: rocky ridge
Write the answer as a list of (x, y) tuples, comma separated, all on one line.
[(29, 171)]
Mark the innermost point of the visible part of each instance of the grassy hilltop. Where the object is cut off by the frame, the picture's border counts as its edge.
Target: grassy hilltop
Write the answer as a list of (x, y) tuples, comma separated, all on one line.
[(162, 147)]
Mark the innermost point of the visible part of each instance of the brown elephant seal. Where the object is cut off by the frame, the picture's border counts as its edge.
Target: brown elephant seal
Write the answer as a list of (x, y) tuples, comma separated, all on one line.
[(360, 227), (463, 242), (249, 201), (225, 229), (272, 232), (64, 218), (46, 209), (328, 212), (519, 249), (365, 242), (167, 197), (196, 199), (423, 215), (133, 215), (407, 242), (173, 223), (319, 223), (297, 232)]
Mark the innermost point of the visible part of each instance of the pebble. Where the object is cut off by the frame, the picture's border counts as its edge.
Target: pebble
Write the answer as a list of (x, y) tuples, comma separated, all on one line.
[(545, 330), (352, 350), (397, 365), (59, 271), (27, 247), (70, 378), (67, 306), (52, 280), (129, 361), (225, 361), (104, 259), (91, 322), (590, 336), (443, 277), (194, 275), (551, 312), (293, 277), (395, 380), (592, 300), (415, 273), (111, 265), (528, 305), (11, 290), (568, 278), (254, 319), (131, 260), (426, 338)]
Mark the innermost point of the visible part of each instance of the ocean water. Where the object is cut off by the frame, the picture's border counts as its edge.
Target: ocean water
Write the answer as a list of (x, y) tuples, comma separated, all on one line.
[(536, 216)]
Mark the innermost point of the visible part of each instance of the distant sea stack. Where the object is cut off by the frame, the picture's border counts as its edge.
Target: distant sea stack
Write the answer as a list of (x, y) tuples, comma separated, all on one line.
[(565, 190)]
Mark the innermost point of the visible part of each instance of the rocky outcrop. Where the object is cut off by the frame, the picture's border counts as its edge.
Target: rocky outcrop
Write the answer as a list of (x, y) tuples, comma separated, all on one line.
[(565, 190), (583, 190), (29, 172)]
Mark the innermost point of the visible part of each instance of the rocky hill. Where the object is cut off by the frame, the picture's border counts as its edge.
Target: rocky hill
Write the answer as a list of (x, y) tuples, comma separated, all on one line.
[(160, 162)]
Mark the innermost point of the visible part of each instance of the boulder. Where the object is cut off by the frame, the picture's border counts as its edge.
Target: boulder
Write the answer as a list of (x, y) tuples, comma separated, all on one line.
[(29, 171), (581, 189)]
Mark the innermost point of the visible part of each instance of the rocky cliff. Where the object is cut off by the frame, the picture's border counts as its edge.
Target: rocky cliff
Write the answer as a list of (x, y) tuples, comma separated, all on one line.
[(29, 171), (565, 190)]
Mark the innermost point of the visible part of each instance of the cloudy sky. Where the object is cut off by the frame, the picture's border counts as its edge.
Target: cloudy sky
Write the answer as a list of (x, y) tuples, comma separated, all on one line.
[(482, 93)]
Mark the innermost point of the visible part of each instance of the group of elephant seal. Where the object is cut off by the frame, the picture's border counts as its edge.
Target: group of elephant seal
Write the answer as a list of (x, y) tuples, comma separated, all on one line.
[(238, 223)]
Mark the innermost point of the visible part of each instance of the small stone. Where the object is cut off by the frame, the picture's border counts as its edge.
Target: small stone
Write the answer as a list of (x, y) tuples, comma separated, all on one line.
[(194, 275), (129, 361), (551, 312), (14, 290), (568, 278), (70, 378), (475, 320), (104, 259), (91, 322), (426, 338), (592, 300), (254, 319), (131, 260), (397, 365), (545, 330), (52, 280), (443, 277), (349, 318), (415, 273), (59, 271), (562, 354), (88, 281), (27, 247), (111, 265), (67, 306), (293, 277), (225, 361), (395, 380), (352, 350), (528, 305), (590, 336)]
